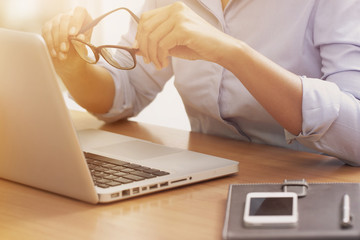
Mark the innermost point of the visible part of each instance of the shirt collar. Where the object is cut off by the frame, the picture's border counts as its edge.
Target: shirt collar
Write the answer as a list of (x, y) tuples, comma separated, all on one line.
[(213, 6)]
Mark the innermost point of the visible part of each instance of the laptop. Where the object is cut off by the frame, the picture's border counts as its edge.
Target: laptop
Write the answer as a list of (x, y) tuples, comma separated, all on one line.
[(41, 148)]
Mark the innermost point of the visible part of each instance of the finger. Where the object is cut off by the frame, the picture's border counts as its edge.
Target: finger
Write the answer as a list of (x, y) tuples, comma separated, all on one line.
[(169, 42), (141, 40), (55, 28), (163, 28), (147, 23), (177, 47), (80, 18), (46, 33), (63, 36)]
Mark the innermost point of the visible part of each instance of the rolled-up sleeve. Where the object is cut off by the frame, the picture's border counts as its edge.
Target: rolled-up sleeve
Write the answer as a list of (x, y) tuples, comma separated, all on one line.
[(122, 107), (331, 106), (134, 89), (331, 121)]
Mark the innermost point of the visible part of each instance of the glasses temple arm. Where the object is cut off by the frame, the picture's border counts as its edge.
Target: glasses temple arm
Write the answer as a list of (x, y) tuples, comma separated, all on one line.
[(98, 19)]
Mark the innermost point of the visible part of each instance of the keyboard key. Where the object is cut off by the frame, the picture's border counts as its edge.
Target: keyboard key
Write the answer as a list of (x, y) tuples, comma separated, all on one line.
[(133, 177), (133, 166), (100, 174), (100, 169), (142, 168), (110, 171), (108, 165), (156, 172), (127, 170), (123, 180), (160, 173), (113, 184), (120, 174), (143, 174), (102, 180), (111, 177), (118, 168)]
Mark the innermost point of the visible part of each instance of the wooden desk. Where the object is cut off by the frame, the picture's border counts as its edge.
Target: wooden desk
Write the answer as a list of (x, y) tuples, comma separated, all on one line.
[(192, 212)]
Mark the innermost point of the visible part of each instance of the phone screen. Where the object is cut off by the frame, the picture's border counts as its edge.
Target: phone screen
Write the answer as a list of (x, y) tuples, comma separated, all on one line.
[(271, 206)]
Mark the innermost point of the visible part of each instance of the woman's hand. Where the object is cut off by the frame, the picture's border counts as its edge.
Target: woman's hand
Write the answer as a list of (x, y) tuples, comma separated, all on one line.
[(176, 30), (91, 86), (56, 33)]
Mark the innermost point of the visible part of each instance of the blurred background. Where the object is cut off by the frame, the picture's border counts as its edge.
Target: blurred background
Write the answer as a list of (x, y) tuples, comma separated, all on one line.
[(30, 15)]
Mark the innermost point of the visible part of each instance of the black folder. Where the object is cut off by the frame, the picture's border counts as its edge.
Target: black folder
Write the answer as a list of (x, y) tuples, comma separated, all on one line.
[(320, 213)]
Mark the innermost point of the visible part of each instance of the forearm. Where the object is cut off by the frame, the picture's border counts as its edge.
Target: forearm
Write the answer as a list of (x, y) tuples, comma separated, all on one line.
[(186, 35), (92, 87), (276, 89)]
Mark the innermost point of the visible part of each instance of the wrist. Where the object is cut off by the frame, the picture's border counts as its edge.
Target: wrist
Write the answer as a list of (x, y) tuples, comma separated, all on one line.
[(71, 70), (232, 52)]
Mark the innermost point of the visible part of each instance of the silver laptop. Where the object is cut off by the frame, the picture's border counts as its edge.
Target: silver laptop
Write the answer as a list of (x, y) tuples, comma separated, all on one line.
[(39, 146)]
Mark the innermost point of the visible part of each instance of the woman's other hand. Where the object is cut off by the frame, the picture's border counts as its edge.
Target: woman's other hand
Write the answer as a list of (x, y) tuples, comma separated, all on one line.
[(175, 30), (56, 33)]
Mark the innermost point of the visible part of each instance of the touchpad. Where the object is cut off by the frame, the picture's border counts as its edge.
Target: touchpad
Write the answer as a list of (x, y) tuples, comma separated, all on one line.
[(137, 150)]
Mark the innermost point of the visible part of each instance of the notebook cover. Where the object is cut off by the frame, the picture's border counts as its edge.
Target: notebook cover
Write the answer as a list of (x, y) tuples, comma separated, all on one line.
[(319, 213)]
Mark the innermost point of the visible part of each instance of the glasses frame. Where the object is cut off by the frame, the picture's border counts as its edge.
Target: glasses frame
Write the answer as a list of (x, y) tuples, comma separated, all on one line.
[(97, 50)]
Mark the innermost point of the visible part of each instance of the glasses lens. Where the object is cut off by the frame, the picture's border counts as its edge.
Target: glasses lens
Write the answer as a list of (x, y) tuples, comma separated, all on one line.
[(84, 51), (119, 58)]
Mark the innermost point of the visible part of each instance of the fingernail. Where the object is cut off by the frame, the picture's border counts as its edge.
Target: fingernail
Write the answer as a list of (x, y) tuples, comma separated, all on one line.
[(72, 31), (53, 53), (81, 37), (62, 56), (63, 47)]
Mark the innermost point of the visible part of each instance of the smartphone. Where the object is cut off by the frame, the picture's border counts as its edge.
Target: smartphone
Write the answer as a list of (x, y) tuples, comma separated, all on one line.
[(271, 209)]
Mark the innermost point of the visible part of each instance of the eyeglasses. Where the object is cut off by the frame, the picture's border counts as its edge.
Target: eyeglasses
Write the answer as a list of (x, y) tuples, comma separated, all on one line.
[(125, 56)]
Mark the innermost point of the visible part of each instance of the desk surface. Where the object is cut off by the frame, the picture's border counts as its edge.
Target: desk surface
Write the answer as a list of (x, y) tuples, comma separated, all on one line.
[(191, 212)]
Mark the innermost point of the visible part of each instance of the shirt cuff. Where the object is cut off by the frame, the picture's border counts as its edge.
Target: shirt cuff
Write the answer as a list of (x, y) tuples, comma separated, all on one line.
[(117, 110), (320, 108)]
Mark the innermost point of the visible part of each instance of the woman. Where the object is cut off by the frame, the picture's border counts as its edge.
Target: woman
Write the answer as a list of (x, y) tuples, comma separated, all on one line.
[(285, 73)]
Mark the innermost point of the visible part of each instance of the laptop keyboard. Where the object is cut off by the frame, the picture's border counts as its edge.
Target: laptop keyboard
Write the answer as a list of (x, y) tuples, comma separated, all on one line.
[(107, 172)]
